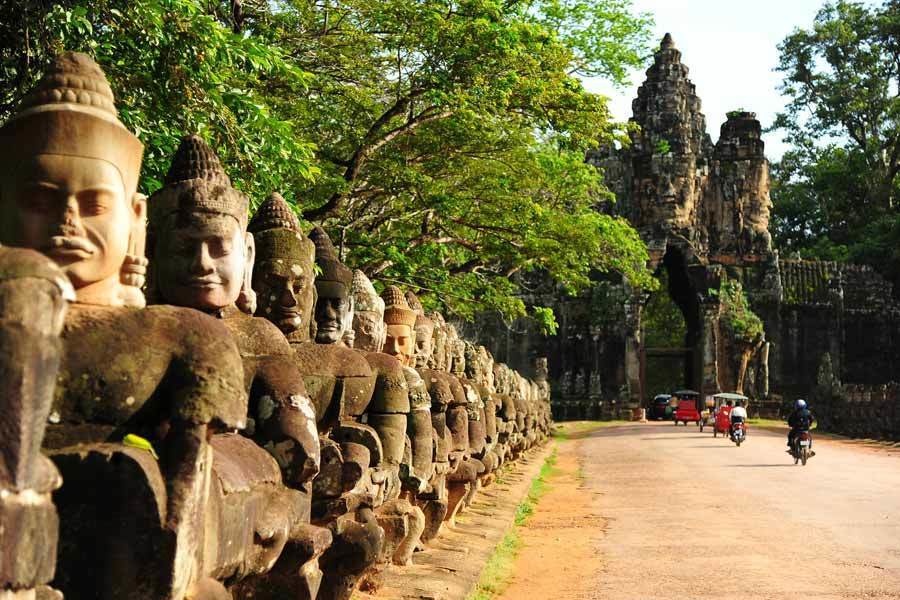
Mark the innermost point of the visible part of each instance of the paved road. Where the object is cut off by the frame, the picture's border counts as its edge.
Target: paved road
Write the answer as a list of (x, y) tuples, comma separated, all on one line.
[(689, 516)]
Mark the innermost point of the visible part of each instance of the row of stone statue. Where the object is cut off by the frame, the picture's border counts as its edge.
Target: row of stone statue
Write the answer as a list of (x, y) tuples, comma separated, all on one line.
[(264, 425)]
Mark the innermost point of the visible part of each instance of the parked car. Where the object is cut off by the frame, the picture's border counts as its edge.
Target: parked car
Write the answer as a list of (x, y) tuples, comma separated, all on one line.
[(659, 409)]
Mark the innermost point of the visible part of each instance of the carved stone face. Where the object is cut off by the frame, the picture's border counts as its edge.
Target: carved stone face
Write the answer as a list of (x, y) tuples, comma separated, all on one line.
[(284, 293), (76, 211), (201, 259), (370, 330), (333, 311), (424, 341), (400, 343)]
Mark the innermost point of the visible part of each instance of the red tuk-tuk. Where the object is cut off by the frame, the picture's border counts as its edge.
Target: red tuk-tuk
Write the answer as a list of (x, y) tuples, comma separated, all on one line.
[(686, 408), (723, 412)]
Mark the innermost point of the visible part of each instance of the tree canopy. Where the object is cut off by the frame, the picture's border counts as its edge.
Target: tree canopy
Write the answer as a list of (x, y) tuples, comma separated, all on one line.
[(836, 191), (440, 142)]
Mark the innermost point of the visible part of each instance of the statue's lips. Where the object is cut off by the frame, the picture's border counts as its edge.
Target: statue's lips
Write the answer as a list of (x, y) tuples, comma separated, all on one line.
[(329, 326), (202, 284), (69, 246)]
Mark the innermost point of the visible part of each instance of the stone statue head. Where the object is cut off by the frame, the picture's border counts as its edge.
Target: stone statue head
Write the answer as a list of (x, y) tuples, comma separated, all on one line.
[(284, 274), (334, 306), (368, 315), (202, 253), (486, 370), (400, 320), (456, 352), (424, 329), (68, 187), (438, 360)]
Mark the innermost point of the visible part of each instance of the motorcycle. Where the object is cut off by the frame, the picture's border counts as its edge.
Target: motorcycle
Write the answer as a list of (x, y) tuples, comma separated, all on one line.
[(738, 433), (801, 449)]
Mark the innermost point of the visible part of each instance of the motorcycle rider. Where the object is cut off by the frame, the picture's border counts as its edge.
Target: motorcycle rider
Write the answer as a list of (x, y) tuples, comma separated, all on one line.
[(800, 419), (738, 414)]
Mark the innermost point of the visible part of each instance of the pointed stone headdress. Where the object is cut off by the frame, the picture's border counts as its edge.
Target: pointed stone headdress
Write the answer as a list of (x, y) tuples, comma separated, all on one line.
[(416, 305), (71, 111), (277, 232), (365, 298), (396, 308), (326, 258), (196, 182)]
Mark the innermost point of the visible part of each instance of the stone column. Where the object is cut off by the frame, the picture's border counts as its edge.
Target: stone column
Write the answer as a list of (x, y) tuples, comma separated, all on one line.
[(709, 339), (633, 309)]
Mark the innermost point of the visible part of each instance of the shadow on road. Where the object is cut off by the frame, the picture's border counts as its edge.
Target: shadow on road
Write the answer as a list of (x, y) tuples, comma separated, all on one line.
[(759, 466), (675, 437)]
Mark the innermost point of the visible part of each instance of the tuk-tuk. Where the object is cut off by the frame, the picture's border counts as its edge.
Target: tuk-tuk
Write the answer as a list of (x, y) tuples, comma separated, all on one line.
[(660, 408), (722, 412), (686, 406)]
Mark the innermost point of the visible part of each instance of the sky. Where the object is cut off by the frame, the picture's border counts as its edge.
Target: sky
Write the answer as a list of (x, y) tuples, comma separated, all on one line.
[(730, 49)]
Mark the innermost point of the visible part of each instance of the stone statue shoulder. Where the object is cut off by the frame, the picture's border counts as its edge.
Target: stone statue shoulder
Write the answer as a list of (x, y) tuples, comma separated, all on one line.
[(343, 370), (392, 388), (256, 336), (439, 388), (124, 370)]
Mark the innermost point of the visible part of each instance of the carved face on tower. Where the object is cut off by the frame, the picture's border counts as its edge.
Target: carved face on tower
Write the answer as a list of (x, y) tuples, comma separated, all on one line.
[(334, 306), (400, 320), (69, 181), (283, 275), (368, 315), (202, 253)]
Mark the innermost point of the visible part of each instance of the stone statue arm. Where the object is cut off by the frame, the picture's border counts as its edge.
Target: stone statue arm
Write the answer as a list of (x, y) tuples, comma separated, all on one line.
[(285, 419)]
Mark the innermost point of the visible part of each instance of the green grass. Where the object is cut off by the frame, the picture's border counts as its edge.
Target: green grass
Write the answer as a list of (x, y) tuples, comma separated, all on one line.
[(771, 423), (499, 568)]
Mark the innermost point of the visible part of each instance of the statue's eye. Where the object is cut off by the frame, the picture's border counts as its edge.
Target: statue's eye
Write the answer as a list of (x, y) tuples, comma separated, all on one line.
[(92, 203)]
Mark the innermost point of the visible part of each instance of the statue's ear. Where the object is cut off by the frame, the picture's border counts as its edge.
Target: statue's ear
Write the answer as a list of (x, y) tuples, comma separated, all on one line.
[(246, 301), (133, 272)]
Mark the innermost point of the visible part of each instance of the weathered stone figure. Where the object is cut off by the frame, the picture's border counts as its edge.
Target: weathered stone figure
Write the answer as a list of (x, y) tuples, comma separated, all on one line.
[(130, 526), (203, 259), (340, 382), (33, 294), (429, 444), (388, 413)]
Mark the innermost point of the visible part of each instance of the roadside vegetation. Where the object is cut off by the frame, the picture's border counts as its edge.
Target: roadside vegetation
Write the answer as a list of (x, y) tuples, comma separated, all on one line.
[(499, 567), (836, 192)]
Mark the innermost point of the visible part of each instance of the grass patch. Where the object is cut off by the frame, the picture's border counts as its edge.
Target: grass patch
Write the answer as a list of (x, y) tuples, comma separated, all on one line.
[(772, 423), (499, 568)]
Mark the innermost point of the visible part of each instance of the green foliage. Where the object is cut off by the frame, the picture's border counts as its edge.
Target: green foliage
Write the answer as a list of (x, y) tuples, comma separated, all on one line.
[(731, 114), (835, 193), (663, 323), (743, 324), (662, 147), (175, 70), (441, 142)]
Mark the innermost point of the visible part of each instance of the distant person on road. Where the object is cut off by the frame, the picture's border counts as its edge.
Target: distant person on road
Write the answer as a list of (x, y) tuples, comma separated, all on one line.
[(801, 419), (738, 414)]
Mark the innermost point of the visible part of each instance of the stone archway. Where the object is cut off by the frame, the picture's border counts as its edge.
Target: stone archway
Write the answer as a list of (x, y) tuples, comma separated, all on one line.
[(670, 341)]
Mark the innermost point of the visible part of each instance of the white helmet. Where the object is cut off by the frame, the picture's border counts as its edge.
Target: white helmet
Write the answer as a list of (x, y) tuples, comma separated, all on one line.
[(801, 403)]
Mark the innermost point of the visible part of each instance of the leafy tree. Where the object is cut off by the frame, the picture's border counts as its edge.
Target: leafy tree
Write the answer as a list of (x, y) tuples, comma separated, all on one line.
[(842, 77), (835, 193), (441, 142), (452, 139)]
